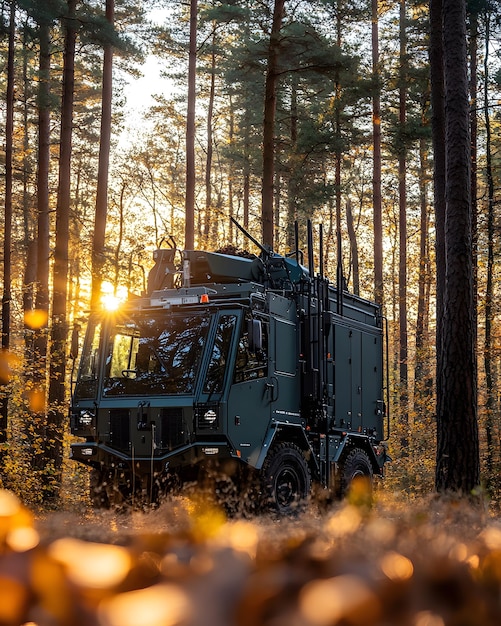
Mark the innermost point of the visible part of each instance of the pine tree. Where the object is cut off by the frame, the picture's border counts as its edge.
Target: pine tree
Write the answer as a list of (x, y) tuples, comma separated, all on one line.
[(458, 464)]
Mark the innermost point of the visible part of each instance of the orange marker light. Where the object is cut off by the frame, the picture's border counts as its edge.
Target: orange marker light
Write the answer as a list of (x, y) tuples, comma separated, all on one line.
[(204, 298)]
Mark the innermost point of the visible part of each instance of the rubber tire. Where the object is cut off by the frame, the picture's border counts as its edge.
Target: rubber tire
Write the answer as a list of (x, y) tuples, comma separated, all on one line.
[(356, 465), (286, 479)]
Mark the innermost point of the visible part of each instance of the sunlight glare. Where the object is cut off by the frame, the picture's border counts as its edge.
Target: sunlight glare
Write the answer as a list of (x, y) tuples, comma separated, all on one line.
[(112, 298)]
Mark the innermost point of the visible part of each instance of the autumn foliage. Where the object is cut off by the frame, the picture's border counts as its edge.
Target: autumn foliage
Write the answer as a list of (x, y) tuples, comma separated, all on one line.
[(434, 563)]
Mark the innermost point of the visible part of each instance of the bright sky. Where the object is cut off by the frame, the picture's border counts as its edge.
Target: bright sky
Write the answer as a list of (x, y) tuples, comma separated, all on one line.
[(139, 92)]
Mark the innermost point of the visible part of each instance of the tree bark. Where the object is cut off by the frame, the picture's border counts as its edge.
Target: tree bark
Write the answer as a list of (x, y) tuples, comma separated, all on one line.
[(438, 136), (270, 105), (422, 351), (7, 239), (354, 248), (189, 242), (458, 463), (376, 166), (489, 290), (59, 332), (209, 218), (402, 221), (293, 169), (39, 318), (98, 243)]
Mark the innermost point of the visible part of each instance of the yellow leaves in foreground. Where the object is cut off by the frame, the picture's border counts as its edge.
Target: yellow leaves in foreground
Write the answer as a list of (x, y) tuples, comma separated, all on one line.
[(91, 565), (349, 567), (345, 598), (396, 566), (158, 605), (13, 599), (16, 524)]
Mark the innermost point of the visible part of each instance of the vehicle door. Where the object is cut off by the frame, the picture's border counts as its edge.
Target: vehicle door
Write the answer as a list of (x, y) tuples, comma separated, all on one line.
[(251, 393)]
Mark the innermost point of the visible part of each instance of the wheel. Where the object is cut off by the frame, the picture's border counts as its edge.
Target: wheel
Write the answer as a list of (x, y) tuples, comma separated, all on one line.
[(357, 473), (286, 479)]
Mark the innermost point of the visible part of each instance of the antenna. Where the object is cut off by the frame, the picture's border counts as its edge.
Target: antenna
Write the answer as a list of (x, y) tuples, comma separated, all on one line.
[(296, 240), (321, 249), (249, 236), (311, 267)]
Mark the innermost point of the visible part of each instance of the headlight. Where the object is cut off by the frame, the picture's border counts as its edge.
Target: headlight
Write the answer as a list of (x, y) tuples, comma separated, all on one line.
[(207, 417), (210, 417), (85, 418)]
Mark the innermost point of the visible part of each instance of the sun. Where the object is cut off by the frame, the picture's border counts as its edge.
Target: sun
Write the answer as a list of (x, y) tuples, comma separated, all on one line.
[(112, 297)]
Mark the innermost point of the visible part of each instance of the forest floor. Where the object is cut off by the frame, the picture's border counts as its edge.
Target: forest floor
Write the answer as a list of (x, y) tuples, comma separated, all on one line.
[(429, 562)]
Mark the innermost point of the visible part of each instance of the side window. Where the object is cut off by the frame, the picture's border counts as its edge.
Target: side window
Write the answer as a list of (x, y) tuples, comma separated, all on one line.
[(90, 363), (123, 355), (86, 386), (220, 352), (250, 365)]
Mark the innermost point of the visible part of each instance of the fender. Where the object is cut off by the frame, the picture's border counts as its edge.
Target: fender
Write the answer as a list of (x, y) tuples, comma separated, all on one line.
[(283, 431), (353, 440)]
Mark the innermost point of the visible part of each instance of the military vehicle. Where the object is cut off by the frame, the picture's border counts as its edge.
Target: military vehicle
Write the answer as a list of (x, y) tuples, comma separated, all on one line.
[(253, 367)]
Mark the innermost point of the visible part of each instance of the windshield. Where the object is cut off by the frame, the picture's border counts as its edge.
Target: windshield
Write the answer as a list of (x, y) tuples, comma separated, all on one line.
[(155, 355)]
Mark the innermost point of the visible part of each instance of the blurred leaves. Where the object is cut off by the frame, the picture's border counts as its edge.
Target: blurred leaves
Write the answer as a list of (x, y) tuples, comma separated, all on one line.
[(8, 361), (440, 566)]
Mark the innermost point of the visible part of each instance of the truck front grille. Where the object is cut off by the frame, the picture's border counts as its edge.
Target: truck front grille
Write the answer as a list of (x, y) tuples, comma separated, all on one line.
[(119, 429), (172, 428)]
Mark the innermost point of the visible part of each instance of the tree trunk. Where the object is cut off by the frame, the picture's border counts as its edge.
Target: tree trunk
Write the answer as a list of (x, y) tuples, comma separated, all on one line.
[(189, 242), (39, 318), (402, 224), (376, 171), (208, 159), (458, 464), (422, 351), (57, 413), (98, 243), (231, 169), (118, 248), (246, 171), (270, 105), (474, 130), (292, 182), (353, 247), (438, 136), (489, 295), (7, 240)]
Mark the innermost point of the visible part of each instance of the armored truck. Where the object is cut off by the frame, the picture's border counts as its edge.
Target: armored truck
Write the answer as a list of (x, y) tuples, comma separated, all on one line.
[(254, 367)]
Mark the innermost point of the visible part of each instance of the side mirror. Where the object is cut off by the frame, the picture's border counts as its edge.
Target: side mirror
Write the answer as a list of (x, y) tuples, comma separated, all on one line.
[(255, 335)]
